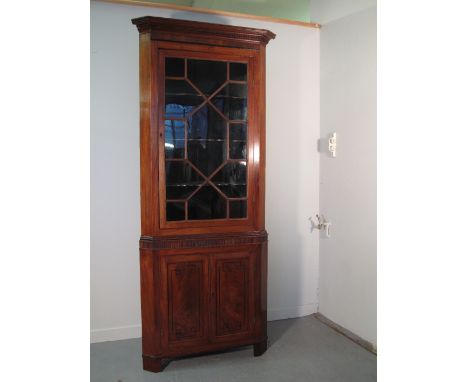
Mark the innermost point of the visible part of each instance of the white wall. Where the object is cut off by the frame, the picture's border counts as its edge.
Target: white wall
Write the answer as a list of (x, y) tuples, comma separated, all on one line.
[(292, 167), (324, 11), (348, 182)]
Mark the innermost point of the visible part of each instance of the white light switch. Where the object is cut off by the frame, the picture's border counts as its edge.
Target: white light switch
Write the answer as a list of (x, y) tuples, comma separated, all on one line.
[(332, 145)]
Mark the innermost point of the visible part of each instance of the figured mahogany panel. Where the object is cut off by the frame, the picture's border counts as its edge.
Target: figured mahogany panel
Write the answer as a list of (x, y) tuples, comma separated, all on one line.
[(232, 296), (185, 291), (232, 287)]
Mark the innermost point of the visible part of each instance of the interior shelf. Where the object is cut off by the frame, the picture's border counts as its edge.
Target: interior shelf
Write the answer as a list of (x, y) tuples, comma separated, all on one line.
[(199, 184), (198, 95), (208, 140)]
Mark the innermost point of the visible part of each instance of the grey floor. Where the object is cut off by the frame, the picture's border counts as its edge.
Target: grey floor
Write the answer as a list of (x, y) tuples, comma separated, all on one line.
[(300, 349)]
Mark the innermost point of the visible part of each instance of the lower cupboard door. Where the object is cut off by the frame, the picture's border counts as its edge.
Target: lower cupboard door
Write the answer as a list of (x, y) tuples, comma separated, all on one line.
[(232, 288), (184, 303)]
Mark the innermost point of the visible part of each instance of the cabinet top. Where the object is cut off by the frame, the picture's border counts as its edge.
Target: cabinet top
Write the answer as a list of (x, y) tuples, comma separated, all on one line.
[(167, 29)]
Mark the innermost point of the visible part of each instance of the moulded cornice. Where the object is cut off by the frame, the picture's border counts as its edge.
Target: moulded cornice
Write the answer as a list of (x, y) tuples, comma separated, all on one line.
[(162, 28)]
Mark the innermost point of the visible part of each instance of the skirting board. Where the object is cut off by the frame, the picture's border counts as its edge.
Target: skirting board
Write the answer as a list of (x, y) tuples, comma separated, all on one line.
[(291, 312), (134, 331), (345, 332), (115, 334)]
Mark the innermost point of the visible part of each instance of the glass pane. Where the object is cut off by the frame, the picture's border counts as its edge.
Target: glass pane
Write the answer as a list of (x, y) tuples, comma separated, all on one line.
[(181, 180), (237, 71), (181, 98), (174, 135), (175, 211), (207, 75), (232, 101), (175, 67), (206, 146), (207, 203), (237, 141), (232, 179), (238, 209), (196, 141)]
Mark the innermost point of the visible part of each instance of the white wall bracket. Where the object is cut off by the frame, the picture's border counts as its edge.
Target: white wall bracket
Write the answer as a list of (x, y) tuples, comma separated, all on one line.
[(322, 224)]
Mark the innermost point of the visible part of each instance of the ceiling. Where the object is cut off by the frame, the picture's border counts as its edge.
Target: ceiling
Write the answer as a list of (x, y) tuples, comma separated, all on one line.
[(317, 11), (297, 10)]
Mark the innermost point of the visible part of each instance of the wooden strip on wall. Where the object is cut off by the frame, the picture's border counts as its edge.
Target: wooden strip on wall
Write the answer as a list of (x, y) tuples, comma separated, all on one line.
[(212, 12), (345, 332)]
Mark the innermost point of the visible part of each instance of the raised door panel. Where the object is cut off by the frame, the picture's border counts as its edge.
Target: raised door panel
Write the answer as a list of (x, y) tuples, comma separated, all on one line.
[(233, 295), (184, 304)]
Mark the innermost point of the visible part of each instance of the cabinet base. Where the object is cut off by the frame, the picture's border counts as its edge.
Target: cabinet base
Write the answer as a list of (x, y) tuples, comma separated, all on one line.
[(153, 364), (260, 347), (157, 365)]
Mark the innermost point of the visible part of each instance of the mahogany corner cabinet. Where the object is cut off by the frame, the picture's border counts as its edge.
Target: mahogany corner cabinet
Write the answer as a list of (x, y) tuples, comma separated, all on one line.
[(203, 245)]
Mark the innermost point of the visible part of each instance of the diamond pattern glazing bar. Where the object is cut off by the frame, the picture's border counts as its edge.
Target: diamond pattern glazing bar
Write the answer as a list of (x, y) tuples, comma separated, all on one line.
[(205, 139)]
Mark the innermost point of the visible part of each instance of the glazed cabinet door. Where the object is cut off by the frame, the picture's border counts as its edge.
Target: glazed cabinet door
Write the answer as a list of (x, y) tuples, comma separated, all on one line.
[(184, 302), (208, 134), (232, 295)]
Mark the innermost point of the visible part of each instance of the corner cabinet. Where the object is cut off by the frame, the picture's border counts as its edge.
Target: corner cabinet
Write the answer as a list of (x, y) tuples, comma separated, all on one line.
[(203, 248)]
